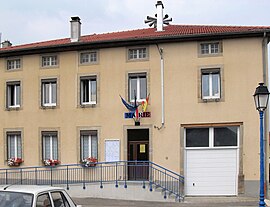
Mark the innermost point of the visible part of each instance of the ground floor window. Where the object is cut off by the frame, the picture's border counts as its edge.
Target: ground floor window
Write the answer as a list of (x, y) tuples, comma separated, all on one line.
[(14, 144), (50, 145), (226, 136), (89, 144)]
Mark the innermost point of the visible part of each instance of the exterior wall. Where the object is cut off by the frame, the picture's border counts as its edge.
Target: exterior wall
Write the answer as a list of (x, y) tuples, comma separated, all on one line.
[(241, 64)]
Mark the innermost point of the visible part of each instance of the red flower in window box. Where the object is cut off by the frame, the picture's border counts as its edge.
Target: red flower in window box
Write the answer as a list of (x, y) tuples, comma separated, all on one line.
[(89, 162), (14, 161), (51, 162)]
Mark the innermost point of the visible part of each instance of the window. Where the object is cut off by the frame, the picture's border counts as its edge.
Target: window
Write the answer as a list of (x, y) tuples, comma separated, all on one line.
[(137, 53), (210, 80), (43, 200), (59, 200), (13, 94), (197, 137), (49, 94), (14, 144), (13, 64), (224, 136), (88, 57), (210, 48), (49, 61), (50, 145), (16, 198), (89, 144), (137, 86), (88, 90)]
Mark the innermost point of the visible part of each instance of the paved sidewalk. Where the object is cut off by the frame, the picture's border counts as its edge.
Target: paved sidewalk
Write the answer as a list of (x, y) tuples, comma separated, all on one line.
[(189, 202)]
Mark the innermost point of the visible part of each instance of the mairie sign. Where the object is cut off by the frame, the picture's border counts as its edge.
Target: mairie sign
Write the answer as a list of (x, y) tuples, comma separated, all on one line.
[(134, 111), (131, 115)]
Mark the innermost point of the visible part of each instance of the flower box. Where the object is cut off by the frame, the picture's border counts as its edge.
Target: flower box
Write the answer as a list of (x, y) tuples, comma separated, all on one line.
[(14, 161), (50, 162), (89, 162)]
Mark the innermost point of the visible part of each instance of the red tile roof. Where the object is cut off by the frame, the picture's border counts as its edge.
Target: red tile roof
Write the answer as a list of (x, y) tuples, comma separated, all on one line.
[(150, 33)]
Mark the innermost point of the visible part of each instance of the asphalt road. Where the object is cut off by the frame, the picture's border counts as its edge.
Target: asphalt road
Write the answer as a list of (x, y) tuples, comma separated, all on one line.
[(189, 202)]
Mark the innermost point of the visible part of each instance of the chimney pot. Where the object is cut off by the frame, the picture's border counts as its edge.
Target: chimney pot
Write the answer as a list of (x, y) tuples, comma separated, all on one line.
[(6, 44), (75, 29)]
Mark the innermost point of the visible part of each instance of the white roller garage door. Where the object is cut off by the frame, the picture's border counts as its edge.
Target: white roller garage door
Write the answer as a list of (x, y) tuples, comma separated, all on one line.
[(211, 172)]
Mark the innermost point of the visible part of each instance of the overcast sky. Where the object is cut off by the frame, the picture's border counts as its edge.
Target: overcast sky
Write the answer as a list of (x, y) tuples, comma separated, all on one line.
[(26, 21)]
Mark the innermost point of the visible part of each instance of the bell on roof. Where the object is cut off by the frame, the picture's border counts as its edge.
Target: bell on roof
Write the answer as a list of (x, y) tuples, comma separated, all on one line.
[(159, 20)]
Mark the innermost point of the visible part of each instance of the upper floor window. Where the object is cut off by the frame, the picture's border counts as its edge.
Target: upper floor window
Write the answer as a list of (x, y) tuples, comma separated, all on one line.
[(13, 64), (14, 145), (88, 90), (50, 145), (137, 86), (210, 83), (137, 53), (89, 57), (210, 48), (13, 94), (89, 144), (49, 61), (49, 94)]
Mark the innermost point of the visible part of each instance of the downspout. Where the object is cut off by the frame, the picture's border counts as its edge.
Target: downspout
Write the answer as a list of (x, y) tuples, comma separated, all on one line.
[(160, 50), (265, 42)]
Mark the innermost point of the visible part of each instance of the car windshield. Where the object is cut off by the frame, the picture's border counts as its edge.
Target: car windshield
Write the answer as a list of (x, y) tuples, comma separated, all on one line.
[(15, 199)]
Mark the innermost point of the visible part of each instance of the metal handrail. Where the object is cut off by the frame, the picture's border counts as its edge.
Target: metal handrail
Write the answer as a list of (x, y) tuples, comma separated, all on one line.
[(117, 172)]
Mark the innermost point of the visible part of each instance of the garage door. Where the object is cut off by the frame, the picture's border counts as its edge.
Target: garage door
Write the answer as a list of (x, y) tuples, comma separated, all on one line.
[(211, 161), (211, 172)]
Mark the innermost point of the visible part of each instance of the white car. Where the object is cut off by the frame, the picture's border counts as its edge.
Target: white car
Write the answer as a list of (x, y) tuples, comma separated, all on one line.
[(34, 196)]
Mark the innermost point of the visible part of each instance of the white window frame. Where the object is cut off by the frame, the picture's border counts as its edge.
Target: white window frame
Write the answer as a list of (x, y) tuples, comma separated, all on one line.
[(89, 79), (16, 136), (13, 64), (210, 86), (138, 88), (92, 57), (90, 135), (49, 61), (211, 139), (17, 103), (210, 48), (140, 53), (43, 84), (51, 136)]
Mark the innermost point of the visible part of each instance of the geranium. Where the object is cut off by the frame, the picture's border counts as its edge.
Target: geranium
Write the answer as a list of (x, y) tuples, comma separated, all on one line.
[(14, 161), (50, 162), (89, 162)]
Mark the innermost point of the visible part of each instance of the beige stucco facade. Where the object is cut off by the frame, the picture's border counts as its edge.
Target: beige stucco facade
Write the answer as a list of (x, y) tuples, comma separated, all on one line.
[(241, 66)]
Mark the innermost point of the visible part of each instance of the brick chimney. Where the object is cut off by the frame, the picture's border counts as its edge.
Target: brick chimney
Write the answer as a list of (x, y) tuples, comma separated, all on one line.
[(75, 29), (160, 8), (6, 43)]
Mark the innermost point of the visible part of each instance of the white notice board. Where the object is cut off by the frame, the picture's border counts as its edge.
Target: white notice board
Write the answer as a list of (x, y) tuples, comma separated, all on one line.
[(112, 150)]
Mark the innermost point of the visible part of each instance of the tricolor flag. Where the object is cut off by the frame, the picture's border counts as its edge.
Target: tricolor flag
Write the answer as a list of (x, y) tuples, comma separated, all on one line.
[(145, 103)]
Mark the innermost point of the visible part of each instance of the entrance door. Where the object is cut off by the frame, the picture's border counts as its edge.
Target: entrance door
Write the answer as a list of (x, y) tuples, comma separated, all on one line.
[(138, 153)]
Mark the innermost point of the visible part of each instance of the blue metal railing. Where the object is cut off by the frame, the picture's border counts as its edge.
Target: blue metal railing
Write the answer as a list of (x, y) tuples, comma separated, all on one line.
[(145, 172)]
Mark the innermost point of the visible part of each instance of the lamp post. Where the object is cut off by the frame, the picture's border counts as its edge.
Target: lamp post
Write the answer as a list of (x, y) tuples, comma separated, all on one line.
[(261, 97)]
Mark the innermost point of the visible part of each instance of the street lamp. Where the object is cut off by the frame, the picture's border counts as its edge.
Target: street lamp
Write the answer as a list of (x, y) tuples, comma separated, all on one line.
[(261, 97)]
